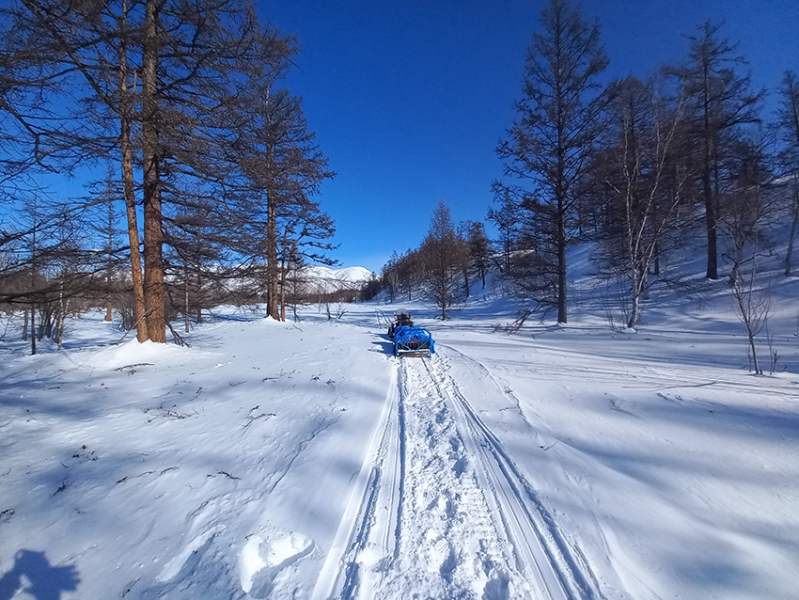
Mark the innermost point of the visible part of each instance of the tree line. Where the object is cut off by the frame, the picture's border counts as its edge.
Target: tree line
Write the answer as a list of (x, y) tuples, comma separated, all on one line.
[(638, 165), (211, 169), (448, 263)]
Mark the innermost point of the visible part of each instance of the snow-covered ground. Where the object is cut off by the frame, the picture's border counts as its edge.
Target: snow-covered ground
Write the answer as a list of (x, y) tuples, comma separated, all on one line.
[(302, 460)]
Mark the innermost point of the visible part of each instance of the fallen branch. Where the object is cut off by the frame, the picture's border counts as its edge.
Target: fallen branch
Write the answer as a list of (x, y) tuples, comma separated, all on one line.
[(178, 338), (133, 366), (225, 473), (64, 485)]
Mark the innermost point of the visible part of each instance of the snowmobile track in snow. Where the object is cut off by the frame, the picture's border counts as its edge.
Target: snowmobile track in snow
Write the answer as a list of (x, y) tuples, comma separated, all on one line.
[(543, 553), (439, 510)]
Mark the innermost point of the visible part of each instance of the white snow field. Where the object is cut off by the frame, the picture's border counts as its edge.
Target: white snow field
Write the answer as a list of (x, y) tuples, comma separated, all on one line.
[(303, 461)]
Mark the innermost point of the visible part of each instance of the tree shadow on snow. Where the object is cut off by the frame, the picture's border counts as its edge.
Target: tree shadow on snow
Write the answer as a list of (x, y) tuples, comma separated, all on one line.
[(33, 573), (212, 316)]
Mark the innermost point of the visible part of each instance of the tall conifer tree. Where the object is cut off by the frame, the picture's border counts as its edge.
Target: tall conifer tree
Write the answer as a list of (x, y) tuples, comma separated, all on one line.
[(557, 124)]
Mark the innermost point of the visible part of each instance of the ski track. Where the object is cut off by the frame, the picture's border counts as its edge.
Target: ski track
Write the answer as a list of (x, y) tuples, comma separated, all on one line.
[(441, 511), (379, 482)]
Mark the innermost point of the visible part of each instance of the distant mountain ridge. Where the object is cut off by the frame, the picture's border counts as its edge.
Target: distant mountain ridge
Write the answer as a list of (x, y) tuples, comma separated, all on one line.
[(346, 274), (330, 280)]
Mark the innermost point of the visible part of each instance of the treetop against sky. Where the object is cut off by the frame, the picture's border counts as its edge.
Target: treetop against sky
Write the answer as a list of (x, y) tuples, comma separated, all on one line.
[(409, 100)]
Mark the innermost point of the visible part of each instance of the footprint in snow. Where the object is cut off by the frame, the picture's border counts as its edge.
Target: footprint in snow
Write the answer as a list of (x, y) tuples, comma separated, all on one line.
[(266, 555)]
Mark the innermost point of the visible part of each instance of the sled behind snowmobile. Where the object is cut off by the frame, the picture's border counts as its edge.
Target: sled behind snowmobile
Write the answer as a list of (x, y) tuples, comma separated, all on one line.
[(413, 339)]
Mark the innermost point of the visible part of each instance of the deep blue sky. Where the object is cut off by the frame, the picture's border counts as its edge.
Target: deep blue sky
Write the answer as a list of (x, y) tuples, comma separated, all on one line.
[(410, 97)]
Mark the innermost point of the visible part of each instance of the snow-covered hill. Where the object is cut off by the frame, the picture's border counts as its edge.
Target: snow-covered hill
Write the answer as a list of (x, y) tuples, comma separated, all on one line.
[(354, 275), (325, 279)]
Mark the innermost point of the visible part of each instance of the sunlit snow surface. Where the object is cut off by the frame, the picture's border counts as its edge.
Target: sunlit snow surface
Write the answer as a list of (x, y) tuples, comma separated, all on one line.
[(302, 460)]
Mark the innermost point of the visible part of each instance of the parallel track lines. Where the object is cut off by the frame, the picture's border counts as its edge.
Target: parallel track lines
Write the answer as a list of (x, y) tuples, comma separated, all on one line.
[(540, 558), (372, 545)]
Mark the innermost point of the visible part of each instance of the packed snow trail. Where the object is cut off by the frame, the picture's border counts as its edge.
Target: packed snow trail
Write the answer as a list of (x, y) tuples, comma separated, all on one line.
[(441, 511)]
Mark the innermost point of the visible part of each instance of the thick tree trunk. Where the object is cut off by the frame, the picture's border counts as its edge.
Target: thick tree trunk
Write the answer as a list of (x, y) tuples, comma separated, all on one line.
[(153, 258), (133, 234), (128, 186)]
